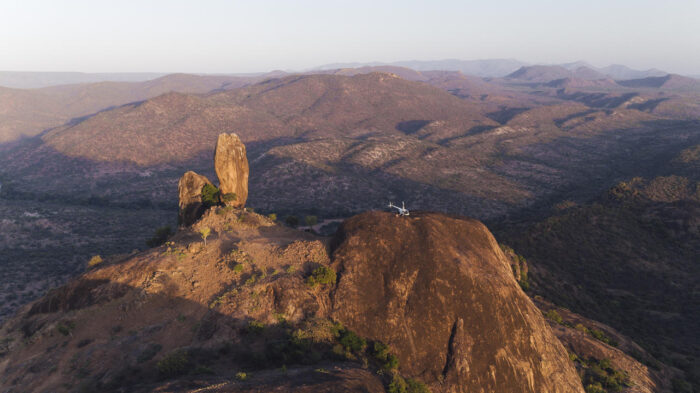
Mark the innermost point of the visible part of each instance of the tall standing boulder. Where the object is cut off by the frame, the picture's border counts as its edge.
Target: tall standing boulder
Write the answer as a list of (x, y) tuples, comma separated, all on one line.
[(190, 194), (231, 165)]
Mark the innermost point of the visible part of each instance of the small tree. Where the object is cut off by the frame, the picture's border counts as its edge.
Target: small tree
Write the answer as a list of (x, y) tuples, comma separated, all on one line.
[(311, 220), (205, 232), (210, 195), (321, 275), (160, 236), (95, 260), (292, 221), (229, 197)]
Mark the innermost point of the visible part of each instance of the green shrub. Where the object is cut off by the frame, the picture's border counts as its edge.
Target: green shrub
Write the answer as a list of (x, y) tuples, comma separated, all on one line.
[(241, 376), (174, 364), (352, 342), (229, 197), (311, 220), (388, 361), (553, 315), (321, 275), (415, 386), (256, 327), (601, 336), (160, 236), (95, 260), (272, 216), (524, 283), (238, 268), (210, 195), (595, 388), (409, 385), (397, 385), (66, 328)]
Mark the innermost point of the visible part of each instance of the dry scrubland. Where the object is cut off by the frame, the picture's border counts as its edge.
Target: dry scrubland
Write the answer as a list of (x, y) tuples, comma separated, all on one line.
[(549, 158)]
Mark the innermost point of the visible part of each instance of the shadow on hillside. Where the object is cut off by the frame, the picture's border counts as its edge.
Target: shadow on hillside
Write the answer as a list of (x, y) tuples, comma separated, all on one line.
[(594, 163), (412, 126), (97, 350)]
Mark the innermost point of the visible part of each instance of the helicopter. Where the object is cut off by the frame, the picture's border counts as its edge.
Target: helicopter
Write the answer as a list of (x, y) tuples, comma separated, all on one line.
[(402, 210)]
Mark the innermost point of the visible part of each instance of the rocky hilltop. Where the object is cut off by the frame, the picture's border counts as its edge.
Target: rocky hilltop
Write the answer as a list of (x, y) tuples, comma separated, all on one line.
[(236, 302), (425, 301)]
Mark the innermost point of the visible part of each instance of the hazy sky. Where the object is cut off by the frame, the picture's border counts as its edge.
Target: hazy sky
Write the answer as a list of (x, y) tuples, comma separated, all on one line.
[(262, 35)]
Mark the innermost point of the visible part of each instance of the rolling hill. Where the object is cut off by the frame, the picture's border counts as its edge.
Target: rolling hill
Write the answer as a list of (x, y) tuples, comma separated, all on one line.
[(28, 112), (547, 73)]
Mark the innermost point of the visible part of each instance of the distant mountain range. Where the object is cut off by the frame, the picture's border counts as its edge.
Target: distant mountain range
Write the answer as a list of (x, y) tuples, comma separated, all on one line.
[(486, 68), (496, 68), (33, 80)]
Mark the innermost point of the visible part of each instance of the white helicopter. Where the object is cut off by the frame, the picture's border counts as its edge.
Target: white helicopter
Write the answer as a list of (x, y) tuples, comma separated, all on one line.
[(402, 210)]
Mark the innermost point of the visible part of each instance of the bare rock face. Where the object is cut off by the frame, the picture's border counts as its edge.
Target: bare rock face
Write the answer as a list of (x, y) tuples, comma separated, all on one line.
[(190, 193), (439, 291), (231, 165)]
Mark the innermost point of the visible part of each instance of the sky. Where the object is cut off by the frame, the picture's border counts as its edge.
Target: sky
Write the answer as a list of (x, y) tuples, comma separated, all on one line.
[(217, 36)]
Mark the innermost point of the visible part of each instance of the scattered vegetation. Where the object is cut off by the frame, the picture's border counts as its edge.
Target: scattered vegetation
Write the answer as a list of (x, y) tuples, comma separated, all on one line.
[(160, 236), (171, 249), (597, 334), (408, 385), (518, 264), (322, 275), (174, 364), (272, 216), (599, 376), (553, 315), (256, 327), (66, 328)]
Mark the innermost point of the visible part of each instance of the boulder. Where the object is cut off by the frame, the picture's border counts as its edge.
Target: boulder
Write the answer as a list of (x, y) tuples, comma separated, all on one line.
[(439, 291), (231, 165), (190, 193)]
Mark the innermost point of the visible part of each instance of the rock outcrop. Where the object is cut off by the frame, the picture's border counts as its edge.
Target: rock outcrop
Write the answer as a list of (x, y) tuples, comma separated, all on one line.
[(439, 291), (231, 165), (190, 196), (240, 315)]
